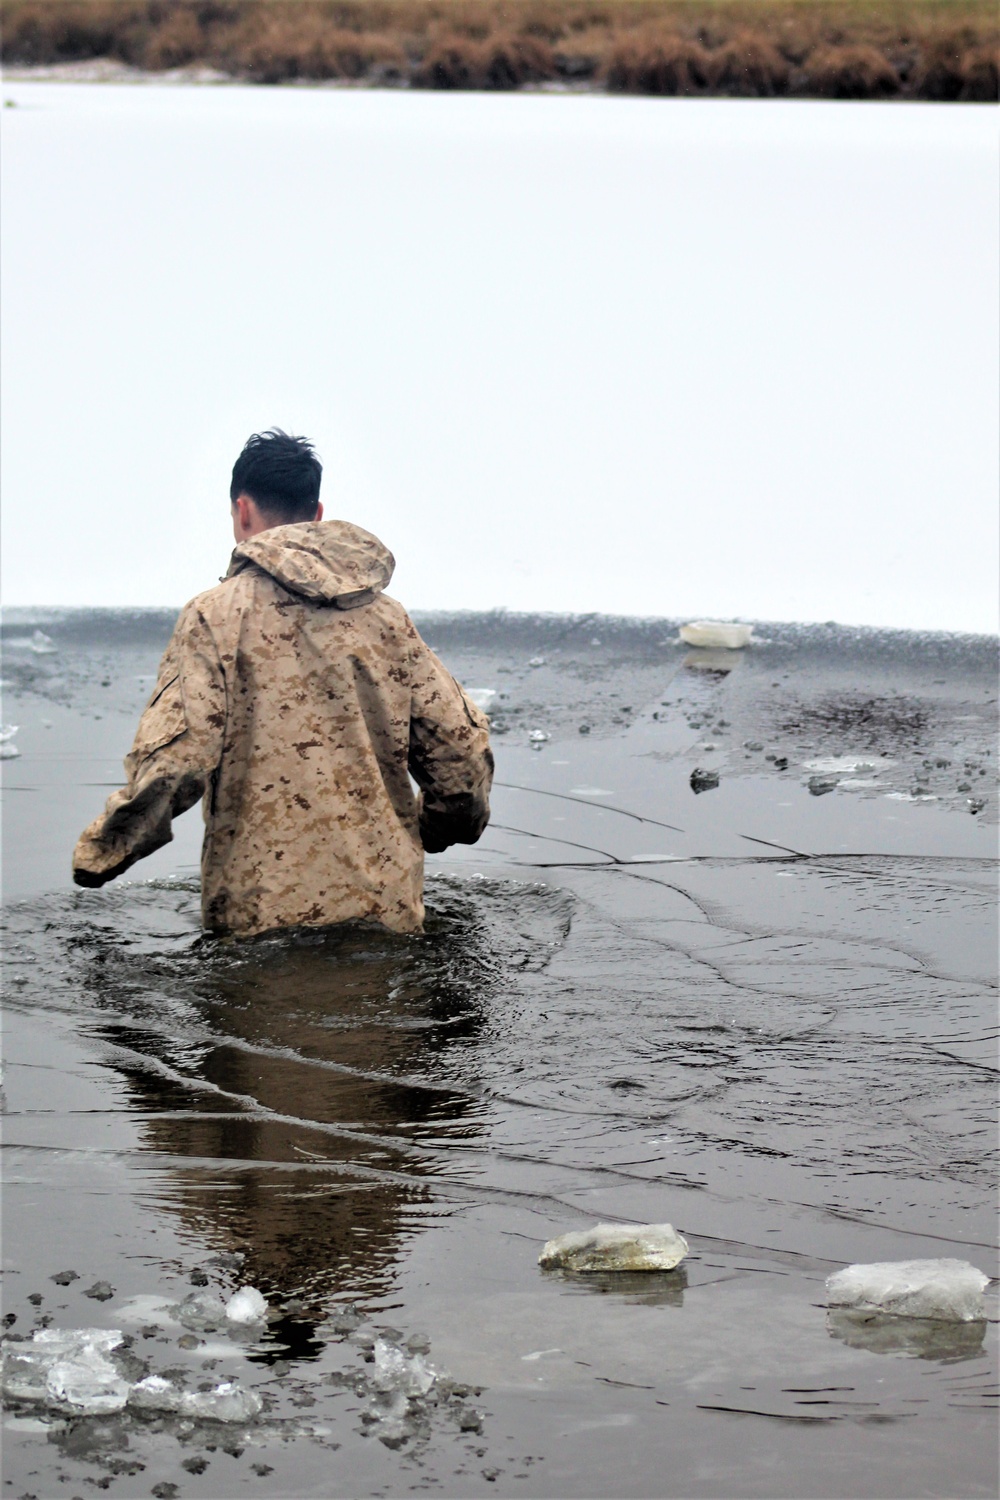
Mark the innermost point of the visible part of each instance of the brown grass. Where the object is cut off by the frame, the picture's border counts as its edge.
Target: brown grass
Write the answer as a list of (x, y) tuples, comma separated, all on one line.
[(943, 50)]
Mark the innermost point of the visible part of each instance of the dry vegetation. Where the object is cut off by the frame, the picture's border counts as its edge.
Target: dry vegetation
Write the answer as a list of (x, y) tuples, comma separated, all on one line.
[(838, 49)]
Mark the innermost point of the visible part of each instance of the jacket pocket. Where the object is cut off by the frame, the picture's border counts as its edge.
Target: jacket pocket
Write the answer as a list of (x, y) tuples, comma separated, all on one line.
[(165, 720)]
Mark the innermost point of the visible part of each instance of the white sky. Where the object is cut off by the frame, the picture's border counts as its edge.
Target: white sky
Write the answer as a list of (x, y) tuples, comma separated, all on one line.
[(704, 358)]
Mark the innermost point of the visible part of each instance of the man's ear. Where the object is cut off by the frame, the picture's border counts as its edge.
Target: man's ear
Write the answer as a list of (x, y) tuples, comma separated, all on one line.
[(319, 511), (243, 516)]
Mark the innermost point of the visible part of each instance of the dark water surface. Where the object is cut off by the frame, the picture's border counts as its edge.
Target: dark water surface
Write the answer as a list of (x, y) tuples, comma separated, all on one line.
[(763, 1013)]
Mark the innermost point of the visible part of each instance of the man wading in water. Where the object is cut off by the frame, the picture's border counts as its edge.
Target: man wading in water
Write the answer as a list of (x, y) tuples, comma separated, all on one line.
[(298, 699)]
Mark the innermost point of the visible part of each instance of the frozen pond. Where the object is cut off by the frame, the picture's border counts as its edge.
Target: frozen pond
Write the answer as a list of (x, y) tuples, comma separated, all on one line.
[(763, 1014), (639, 356)]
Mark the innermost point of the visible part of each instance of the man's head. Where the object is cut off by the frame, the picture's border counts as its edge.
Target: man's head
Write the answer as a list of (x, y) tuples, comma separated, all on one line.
[(275, 482)]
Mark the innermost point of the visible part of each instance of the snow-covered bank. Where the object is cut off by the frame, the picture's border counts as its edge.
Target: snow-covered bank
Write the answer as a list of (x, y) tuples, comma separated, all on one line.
[(704, 357)]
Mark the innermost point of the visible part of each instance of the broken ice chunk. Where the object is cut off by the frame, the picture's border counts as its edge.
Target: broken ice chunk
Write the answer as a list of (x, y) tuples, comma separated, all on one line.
[(42, 644), (226, 1402), (616, 1247), (155, 1394), (714, 633), (395, 1370), (8, 751), (67, 1368), (246, 1306), (946, 1289), (847, 765), (820, 785), (58, 1341), (482, 697), (101, 1291), (88, 1383), (703, 780), (200, 1310), (387, 1417), (25, 1372)]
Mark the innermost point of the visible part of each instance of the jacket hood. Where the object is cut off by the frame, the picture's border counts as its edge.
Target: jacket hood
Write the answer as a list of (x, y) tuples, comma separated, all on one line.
[(331, 562)]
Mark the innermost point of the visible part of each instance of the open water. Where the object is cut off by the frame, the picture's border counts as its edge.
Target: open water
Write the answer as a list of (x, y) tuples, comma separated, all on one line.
[(764, 1014)]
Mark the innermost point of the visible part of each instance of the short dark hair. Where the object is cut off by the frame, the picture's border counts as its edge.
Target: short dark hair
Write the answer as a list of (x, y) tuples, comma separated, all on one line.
[(281, 473)]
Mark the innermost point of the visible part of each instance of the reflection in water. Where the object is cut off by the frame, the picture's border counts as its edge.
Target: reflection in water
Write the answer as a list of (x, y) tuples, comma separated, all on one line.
[(314, 1100), (298, 1085), (920, 1338), (712, 662), (637, 1288)]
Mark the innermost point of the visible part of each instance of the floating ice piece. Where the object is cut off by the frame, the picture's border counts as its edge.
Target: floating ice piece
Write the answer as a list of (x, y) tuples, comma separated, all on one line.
[(387, 1417), (42, 644), (820, 785), (714, 633), (832, 765), (401, 1378), (147, 1308), (9, 752), (948, 1289), (88, 1383), (616, 1247), (7, 732), (67, 1368), (226, 1402), (538, 736), (482, 697), (703, 780), (537, 661), (155, 1394), (59, 1341), (200, 1310), (25, 1372), (246, 1306), (395, 1370)]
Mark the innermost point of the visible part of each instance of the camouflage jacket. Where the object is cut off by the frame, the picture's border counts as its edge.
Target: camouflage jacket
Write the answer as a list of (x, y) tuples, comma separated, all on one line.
[(297, 699)]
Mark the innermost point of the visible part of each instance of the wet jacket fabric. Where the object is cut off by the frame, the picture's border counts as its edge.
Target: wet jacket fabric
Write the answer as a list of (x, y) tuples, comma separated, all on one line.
[(298, 699)]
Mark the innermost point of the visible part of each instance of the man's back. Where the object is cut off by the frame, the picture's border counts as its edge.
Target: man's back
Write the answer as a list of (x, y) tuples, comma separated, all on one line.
[(299, 699)]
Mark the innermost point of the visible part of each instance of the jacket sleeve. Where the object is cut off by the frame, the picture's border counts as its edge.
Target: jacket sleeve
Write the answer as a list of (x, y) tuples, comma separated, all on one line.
[(177, 747), (450, 757)]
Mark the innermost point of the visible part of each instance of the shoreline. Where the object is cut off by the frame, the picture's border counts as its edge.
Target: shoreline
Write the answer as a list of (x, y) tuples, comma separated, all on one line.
[(911, 50), (106, 71)]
